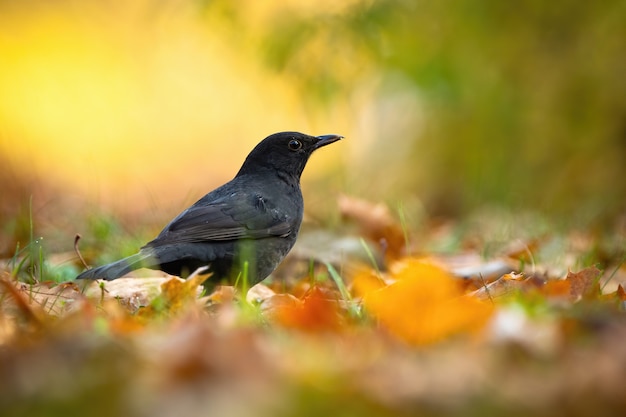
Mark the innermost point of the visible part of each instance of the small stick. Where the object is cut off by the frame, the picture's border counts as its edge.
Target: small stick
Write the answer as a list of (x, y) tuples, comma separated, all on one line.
[(80, 256)]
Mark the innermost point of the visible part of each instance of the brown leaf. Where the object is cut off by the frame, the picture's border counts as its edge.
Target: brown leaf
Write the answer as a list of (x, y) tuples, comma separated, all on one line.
[(376, 223), (584, 284), (506, 284), (54, 299), (31, 313)]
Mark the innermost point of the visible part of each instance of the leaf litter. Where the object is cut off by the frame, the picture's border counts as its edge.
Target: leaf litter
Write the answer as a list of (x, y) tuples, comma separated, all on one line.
[(420, 332)]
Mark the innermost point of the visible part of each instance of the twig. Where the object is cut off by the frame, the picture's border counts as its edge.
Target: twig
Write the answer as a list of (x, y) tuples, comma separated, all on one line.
[(80, 256)]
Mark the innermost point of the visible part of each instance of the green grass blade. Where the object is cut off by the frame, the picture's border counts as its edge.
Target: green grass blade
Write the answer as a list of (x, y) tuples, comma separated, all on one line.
[(343, 290)]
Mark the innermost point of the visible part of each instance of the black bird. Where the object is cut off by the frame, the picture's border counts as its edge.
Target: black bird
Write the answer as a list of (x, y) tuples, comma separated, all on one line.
[(252, 220)]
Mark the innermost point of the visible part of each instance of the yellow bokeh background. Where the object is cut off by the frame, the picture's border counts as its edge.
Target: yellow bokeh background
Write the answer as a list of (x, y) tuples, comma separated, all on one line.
[(116, 101)]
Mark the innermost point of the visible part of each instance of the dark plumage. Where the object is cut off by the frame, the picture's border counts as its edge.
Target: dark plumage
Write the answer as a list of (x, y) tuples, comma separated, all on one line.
[(253, 218)]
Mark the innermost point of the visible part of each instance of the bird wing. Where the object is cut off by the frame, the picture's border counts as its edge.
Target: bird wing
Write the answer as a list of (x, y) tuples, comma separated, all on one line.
[(222, 221)]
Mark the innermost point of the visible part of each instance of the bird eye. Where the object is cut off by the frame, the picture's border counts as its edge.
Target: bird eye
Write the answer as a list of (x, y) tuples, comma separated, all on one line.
[(294, 144)]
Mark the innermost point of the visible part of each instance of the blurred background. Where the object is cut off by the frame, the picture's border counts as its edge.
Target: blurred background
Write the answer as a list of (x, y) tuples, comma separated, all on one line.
[(133, 110)]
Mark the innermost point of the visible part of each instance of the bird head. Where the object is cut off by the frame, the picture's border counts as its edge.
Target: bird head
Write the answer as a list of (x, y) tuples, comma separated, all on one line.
[(286, 152)]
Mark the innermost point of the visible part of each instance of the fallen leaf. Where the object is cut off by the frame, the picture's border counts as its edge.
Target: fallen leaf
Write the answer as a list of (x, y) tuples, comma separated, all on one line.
[(54, 299), (259, 293), (426, 305), (31, 313), (376, 223), (317, 311), (278, 304), (505, 285), (557, 288), (176, 295), (584, 283), (366, 281)]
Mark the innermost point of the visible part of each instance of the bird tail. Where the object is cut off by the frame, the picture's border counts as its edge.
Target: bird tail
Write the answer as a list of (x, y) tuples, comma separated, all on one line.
[(119, 268)]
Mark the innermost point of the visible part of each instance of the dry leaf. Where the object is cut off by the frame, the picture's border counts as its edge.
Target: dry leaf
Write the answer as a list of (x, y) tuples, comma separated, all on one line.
[(365, 281), (50, 297), (584, 283), (376, 223), (259, 293), (426, 305), (176, 295), (134, 293), (317, 311), (277, 305), (31, 313), (557, 288)]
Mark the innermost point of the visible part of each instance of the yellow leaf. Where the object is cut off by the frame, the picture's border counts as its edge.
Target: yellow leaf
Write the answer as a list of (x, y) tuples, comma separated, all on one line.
[(176, 295)]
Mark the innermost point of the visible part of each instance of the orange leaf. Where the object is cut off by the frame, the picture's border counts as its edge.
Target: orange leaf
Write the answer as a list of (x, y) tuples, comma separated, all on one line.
[(557, 288), (365, 282), (426, 305), (317, 311)]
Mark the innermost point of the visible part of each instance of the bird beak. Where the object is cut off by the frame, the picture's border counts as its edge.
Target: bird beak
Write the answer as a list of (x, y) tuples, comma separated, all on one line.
[(326, 140)]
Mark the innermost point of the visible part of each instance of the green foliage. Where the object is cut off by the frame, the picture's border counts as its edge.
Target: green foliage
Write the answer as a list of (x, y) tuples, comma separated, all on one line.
[(31, 264), (106, 240), (524, 102)]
